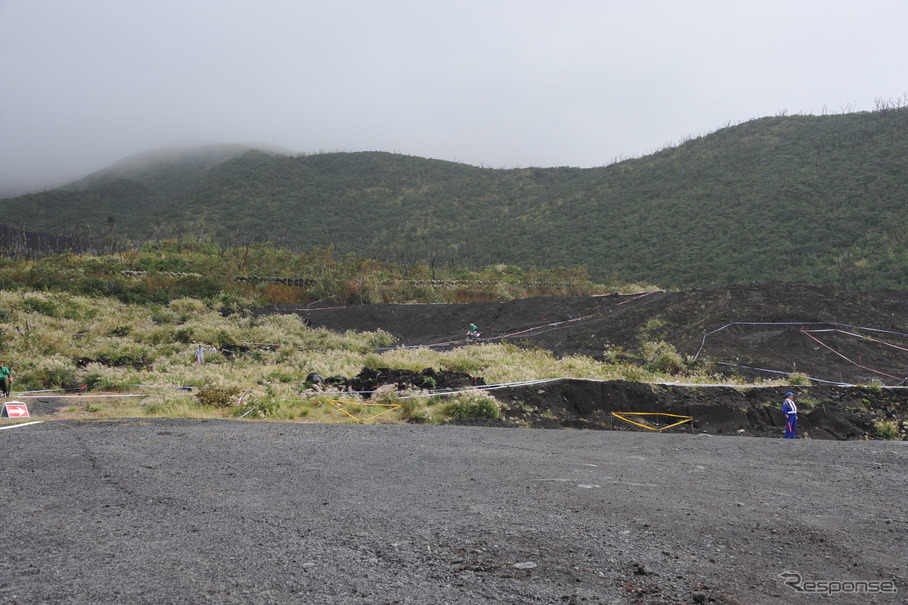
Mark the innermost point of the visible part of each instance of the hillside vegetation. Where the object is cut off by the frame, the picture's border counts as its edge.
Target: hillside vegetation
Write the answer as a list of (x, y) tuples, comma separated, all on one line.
[(253, 366), (161, 271), (812, 199), (130, 324)]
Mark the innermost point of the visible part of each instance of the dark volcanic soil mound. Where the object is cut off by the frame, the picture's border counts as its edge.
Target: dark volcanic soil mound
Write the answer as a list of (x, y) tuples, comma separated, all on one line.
[(826, 412), (758, 331), (370, 379)]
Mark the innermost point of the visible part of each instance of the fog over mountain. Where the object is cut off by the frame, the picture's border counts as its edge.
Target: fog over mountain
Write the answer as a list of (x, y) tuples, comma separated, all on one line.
[(497, 83)]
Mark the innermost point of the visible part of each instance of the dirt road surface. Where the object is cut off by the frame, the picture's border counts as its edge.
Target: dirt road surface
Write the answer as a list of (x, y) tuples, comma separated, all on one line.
[(183, 511)]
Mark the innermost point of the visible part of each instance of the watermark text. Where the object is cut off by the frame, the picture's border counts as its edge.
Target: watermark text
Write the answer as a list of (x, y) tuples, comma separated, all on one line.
[(796, 582)]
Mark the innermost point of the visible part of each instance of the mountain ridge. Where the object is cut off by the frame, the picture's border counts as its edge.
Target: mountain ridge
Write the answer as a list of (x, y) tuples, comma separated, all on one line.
[(816, 199), (168, 170)]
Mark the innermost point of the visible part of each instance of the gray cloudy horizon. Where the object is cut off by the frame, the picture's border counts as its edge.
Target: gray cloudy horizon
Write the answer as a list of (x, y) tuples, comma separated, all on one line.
[(500, 83)]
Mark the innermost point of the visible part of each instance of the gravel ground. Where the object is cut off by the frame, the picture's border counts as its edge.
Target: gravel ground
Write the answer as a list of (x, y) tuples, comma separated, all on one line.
[(183, 511)]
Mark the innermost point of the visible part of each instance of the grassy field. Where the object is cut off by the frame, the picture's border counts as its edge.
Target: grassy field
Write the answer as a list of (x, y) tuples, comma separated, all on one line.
[(256, 367)]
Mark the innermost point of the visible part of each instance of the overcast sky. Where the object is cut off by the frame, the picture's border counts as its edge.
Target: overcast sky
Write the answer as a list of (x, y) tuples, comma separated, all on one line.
[(500, 83)]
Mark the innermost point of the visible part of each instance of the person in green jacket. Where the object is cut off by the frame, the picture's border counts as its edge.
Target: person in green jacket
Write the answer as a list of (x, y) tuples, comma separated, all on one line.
[(6, 378)]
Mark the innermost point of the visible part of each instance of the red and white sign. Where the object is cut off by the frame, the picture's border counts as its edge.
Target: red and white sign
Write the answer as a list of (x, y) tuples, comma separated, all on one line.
[(14, 409)]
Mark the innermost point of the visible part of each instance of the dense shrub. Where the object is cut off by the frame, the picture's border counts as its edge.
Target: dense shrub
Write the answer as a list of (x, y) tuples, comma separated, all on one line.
[(49, 374), (886, 429), (219, 398), (661, 357), (798, 379), (124, 356), (474, 405)]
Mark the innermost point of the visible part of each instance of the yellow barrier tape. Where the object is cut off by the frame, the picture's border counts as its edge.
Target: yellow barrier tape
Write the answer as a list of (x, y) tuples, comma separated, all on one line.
[(340, 406), (685, 419)]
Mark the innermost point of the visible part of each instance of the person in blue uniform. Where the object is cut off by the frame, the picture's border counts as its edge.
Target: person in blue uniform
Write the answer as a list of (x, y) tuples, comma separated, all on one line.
[(791, 416)]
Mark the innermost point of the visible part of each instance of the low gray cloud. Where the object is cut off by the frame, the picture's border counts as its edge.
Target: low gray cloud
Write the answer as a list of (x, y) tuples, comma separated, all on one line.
[(503, 83)]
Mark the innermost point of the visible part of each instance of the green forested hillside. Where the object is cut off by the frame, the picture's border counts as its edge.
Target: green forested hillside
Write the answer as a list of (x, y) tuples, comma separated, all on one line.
[(815, 199)]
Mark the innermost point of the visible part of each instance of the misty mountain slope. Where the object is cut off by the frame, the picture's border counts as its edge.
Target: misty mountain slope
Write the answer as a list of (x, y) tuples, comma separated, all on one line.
[(816, 199), (167, 171)]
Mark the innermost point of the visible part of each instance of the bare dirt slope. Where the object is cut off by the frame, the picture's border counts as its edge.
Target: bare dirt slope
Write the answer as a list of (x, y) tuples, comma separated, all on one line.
[(757, 332), (776, 327)]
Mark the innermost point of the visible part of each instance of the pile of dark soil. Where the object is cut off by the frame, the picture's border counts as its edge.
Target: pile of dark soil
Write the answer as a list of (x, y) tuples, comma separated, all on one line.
[(369, 379), (826, 412)]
